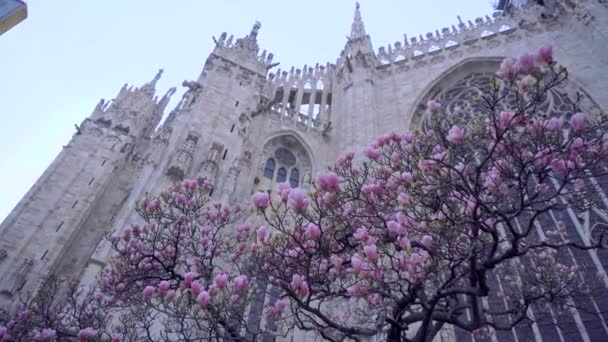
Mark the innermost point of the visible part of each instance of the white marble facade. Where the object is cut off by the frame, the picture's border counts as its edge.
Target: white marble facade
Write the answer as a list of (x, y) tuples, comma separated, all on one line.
[(240, 112)]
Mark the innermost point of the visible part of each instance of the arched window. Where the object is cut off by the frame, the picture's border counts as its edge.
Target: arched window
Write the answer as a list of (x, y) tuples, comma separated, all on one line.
[(281, 175), (269, 168), (294, 178)]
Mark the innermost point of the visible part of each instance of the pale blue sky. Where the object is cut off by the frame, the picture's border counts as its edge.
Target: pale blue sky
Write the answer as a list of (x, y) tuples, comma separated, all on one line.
[(58, 63)]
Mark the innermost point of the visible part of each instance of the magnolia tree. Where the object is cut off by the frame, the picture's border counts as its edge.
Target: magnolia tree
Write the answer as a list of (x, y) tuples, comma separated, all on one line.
[(420, 233), (432, 225)]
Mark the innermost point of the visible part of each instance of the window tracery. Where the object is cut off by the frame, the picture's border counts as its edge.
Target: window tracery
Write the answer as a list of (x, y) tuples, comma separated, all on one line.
[(467, 94)]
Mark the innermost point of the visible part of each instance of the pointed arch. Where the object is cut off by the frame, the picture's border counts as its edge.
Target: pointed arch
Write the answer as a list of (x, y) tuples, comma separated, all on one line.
[(446, 79), (294, 178), (281, 175), (269, 168)]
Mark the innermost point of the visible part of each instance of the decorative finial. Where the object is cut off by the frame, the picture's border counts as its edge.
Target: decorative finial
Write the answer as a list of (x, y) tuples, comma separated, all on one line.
[(150, 86), (357, 29)]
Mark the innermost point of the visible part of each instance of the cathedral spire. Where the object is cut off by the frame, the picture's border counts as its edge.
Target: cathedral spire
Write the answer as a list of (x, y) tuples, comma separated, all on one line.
[(151, 86), (357, 29)]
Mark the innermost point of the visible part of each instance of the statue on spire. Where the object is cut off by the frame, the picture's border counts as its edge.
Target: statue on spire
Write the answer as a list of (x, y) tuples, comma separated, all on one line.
[(357, 30), (151, 86)]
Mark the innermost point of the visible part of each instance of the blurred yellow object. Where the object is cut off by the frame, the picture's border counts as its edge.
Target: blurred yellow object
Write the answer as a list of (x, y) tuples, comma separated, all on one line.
[(12, 12)]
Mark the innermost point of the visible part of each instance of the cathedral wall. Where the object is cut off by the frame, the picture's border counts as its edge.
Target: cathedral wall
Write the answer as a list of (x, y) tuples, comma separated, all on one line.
[(37, 232), (403, 88)]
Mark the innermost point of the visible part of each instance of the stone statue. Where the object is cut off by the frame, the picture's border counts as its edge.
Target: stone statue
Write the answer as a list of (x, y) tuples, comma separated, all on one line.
[(194, 89)]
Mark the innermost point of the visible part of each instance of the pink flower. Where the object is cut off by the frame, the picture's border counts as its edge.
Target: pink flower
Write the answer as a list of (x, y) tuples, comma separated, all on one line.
[(163, 287), (559, 166), (427, 241), (371, 252), (328, 181), (455, 134), (526, 63), (221, 280), (361, 234), (190, 184), (240, 282), (284, 189), (189, 278), (579, 122), (405, 244), (148, 292), (508, 69), (554, 124), (545, 55), (196, 287), (371, 153), (261, 200), (85, 334), (404, 199), (281, 305), (152, 206), (299, 285), (298, 200), (116, 337), (505, 119), (203, 298), (526, 83), (357, 290), (433, 106), (312, 231), (262, 234), (406, 177), (395, 228)]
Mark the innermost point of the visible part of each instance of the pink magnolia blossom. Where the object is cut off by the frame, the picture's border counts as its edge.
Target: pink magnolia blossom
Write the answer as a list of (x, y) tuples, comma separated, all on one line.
[(578, 122), (221, 280), (116, 337), (371, 252), (86, 334), (554, 124), (299, 285), (298, 200), (405, 244), (284, 189), (545, 55), (196, 287), (455, 134), (148, 292), (508, 69), (240, 282), (281, 305), (372, 153), (190, 184), (526, 63), (163, 287), (261, 200), (203, 298), (406, 177), (433, 106), (189, 277), (526, 83), (312, 231), (262, 234), (234, 298), (361, 234), (427, 241)]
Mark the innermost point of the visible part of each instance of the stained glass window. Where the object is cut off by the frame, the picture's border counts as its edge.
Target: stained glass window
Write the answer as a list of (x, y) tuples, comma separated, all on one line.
[(294, 178), (281, 175), (269, 168), (285, 157)]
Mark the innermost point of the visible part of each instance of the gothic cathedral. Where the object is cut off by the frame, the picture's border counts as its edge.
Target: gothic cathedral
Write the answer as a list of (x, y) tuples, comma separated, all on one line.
[(245, 125)]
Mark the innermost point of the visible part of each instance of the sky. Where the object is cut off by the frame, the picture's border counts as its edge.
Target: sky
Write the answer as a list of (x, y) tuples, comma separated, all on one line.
[(68, 54)]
